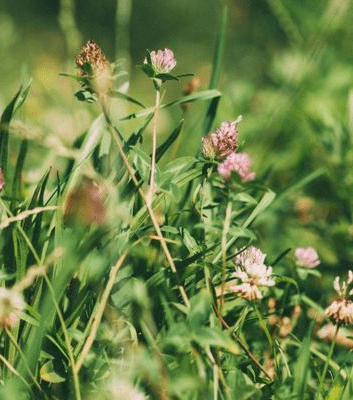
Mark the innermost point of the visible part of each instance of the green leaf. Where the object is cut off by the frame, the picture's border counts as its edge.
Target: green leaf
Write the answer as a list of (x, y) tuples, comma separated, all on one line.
[(48, 373), (206, 336), (266, 200), (216, 71), (301, 368), (199, 96), (5, 119), (169, 141), (200, 309), (123, 96)]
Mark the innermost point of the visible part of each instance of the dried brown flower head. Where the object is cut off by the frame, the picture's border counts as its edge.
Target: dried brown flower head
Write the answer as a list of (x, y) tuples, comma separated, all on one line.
[(93, 65), (91, 55)]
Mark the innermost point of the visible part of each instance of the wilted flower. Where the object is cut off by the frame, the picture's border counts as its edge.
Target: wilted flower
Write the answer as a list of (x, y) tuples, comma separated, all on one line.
[(163, 61), (224, 140), (340, 311), (11, 304), (93, 64), (91, 56), (239, 163), (253, 273), (307, 257)]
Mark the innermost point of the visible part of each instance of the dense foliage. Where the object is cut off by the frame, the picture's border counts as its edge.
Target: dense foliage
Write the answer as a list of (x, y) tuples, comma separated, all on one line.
[(154, 258)]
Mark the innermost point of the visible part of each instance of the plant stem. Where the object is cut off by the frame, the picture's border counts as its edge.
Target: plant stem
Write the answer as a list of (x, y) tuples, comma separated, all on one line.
[(149, 195), (148, 206), (328, 358), (225, 231), (242, 345), (99, 313), (267, 333)]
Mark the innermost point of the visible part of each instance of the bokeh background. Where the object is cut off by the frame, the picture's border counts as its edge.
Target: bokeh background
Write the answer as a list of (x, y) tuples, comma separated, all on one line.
[(287, 69)]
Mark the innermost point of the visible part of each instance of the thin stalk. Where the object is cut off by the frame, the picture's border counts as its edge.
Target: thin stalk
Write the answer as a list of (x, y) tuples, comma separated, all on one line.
[(267, 333), (99, 313), (147, 204), (328, 359), (149, 195), (225, 231), (242, 345), (76, 381), (13, 370)]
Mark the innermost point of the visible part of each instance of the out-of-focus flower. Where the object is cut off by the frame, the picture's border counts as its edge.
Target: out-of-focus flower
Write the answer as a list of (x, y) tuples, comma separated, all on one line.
[(253, 273), (85, 204), (119, 389), (190, 88), (11, 304), (239, 163), (340, 311), (163, 61), (307, 257), (328, 333), (2, 180), (224, 140)]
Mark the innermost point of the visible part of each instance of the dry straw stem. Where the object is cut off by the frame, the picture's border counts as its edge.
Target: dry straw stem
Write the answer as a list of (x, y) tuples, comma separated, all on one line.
[(148, 205), (26, 214), (97, 319)]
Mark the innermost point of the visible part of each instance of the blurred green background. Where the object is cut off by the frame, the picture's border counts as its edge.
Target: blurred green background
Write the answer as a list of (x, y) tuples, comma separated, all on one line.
[(287, 68)]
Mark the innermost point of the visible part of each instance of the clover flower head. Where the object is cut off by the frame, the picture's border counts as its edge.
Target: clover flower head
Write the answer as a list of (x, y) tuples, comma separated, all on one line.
[(340, 312), (239, 163), (249, 256), (253, 273), (224, 140), (11, 304), (307, 257), (163, 61)]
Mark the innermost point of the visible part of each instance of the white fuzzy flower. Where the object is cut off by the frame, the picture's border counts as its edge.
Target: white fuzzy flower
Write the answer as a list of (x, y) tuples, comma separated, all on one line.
[(11, 304), (253, 273)]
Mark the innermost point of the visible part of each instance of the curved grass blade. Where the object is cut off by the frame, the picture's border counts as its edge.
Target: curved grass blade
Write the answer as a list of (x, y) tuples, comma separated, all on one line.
[(169, 141), (203, 95), (119, 95), (5, 119), (216, 71)]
